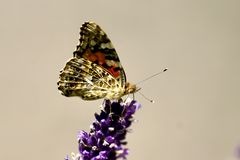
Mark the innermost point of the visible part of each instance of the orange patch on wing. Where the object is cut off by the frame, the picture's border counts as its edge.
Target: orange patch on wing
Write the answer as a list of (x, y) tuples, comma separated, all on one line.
[(92, 57), (100, 57), (114, 73)]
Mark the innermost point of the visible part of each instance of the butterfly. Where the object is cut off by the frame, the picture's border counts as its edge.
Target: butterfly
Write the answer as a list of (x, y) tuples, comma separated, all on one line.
[(95, 70)]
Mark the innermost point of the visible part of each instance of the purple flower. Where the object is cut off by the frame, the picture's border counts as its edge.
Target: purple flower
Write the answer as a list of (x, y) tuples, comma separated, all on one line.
[(106, 138)]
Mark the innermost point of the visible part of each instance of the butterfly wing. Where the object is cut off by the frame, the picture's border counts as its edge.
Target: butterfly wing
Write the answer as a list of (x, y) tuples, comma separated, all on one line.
[(96, 47), (81, 77)]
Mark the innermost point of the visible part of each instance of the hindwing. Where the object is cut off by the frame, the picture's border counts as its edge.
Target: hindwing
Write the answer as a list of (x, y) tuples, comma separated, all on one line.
[(81, 77)]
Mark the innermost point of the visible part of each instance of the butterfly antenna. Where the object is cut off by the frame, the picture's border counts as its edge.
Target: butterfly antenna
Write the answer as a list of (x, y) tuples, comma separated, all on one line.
[(153, 76), (148, 99)]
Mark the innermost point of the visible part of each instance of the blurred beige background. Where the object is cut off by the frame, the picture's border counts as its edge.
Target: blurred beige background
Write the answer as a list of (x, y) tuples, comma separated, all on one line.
[(197, 111)]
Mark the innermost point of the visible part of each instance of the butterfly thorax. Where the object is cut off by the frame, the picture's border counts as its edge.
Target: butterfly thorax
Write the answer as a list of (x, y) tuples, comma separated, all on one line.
[(130, 88)]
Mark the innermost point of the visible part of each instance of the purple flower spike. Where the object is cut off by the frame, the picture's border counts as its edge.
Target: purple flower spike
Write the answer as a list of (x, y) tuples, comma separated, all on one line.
[(66, 158), (106, 138)]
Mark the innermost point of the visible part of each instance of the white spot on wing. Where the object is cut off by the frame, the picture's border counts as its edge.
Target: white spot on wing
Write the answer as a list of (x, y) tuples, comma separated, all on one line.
[(107, 45)]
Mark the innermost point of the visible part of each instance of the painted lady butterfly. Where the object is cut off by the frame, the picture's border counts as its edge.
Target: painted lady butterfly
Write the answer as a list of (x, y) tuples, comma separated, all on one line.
[(95, 70)]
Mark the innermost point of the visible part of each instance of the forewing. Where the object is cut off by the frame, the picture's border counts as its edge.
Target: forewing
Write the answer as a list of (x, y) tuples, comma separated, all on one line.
[(83, 78), (96, 47)]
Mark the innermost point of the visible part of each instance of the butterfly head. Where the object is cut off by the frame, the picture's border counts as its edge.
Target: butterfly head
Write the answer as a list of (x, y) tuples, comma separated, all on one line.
[(131, 88)]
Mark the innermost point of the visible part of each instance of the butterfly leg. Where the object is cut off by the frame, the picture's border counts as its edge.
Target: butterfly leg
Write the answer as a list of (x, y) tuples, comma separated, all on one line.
[(126, 97)]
